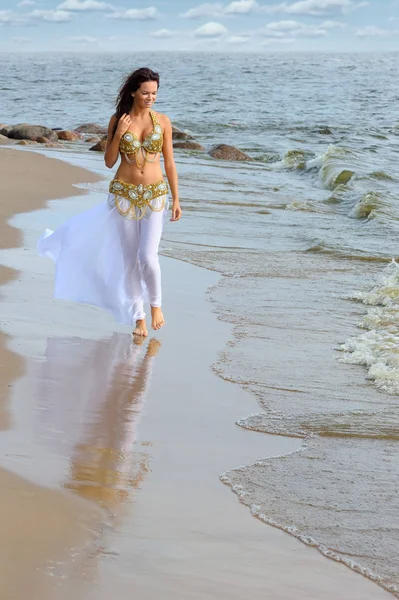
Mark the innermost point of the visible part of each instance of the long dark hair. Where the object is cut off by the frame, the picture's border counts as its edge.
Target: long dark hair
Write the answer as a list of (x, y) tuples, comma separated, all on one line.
[(130, 84)]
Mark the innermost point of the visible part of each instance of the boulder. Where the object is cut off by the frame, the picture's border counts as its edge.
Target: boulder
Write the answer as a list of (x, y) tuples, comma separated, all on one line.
[(189, 146), (4, 129), (324, 131), (93, 139), (69, 136), (24, 131), (178, 134), (91, 128), (26, 142), (100, 146), (41, 140), (225, 152), (5, 140)]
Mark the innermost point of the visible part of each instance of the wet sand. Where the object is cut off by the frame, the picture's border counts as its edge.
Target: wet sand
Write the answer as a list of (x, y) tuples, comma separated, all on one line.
[(143, 431), (38, 527)]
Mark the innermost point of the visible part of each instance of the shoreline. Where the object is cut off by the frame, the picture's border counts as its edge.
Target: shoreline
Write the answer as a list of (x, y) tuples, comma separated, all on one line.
[(187, 456), (33, 534)]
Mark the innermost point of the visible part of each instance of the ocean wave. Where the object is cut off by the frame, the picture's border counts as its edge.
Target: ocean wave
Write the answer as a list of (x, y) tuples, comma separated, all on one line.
[(336, 166), (302, 205), (345, 253), (378, 348), (367, 206), (296, 159)]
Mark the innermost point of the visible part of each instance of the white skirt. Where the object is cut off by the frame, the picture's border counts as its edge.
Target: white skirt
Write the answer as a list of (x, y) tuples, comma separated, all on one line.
[(95, 253)]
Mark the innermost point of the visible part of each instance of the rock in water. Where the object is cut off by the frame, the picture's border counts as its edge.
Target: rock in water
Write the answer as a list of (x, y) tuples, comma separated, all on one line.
[(24, 131), (69, 136), (189, 146), (100, 146), (91, 128), (225, 152), (179, 134)]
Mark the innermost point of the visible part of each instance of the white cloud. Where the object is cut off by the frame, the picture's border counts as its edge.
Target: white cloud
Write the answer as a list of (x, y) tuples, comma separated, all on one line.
[(83, 5), (315, 7), (279, 29), (135, 14), (210, 30), (240, 7), (6, 16), (372, 31), (204, 10), (238, 39), (53, 16), (11, 18), (26, 3), (163, 33)]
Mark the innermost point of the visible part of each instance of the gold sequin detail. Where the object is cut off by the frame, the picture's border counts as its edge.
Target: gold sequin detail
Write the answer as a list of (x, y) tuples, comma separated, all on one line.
[(152, 143), (132, 200)]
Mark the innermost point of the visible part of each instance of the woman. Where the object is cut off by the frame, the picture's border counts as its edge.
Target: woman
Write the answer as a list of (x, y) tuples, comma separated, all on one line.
[(108, 256)]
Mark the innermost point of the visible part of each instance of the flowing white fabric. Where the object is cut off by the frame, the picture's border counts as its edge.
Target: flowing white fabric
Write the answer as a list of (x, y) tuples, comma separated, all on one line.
[(104, 259)]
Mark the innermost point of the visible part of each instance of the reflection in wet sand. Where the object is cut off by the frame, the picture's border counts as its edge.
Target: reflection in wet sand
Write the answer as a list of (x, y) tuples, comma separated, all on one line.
[(91, 398)]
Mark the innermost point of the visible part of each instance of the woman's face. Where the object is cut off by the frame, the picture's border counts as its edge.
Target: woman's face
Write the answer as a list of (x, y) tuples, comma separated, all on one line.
[(146, 95)]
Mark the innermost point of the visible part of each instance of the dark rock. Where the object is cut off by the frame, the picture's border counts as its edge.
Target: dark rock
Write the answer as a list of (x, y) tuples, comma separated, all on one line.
[(225, 152), (189, 146), (69, 136), (325, 131), (24, 131), (91, 128), (100, 146), (4, 129), (41, 140), (178, 134)]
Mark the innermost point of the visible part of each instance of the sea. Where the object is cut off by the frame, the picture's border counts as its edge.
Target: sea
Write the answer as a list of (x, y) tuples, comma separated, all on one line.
[(305, 239)]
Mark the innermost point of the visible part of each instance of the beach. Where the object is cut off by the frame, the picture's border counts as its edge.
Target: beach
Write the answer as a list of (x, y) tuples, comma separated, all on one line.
[(112, 451)]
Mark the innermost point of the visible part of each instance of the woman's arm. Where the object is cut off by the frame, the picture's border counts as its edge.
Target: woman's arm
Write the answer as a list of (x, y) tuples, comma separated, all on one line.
[(170, 168), (112, 148)]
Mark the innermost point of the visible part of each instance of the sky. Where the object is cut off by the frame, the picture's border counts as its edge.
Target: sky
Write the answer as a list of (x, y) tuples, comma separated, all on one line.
[(189, 25)]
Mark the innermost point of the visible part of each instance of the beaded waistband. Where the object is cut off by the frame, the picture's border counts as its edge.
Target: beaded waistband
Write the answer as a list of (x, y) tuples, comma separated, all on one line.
[(137, 198)]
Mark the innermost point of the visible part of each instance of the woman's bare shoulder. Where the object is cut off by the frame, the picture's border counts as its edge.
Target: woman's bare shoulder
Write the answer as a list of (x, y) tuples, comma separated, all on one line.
[(163, 119)]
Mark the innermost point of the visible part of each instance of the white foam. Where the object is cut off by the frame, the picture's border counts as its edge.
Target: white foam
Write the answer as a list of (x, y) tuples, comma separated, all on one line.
[(378, 348)]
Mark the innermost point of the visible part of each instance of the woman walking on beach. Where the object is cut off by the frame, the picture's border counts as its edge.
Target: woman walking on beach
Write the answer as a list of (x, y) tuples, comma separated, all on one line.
[(108, 256)]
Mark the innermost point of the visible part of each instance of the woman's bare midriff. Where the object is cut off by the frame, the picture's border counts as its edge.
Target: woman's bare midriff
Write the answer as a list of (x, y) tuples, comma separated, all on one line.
[(150, 173)]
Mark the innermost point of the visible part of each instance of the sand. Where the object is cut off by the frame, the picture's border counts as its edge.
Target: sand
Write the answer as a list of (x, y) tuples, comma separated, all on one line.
[(142, 434), (38, 526)]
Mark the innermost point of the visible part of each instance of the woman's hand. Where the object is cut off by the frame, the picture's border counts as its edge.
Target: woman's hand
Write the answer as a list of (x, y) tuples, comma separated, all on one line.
[(176, 211), (123, 124)]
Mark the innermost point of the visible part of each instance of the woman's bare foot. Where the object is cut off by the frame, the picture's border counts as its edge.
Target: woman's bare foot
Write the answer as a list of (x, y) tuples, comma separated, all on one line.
[(141, 328), (157, 317)]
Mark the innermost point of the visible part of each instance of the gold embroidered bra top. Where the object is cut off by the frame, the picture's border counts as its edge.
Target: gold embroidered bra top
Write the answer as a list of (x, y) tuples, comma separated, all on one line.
[(152, 142)]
